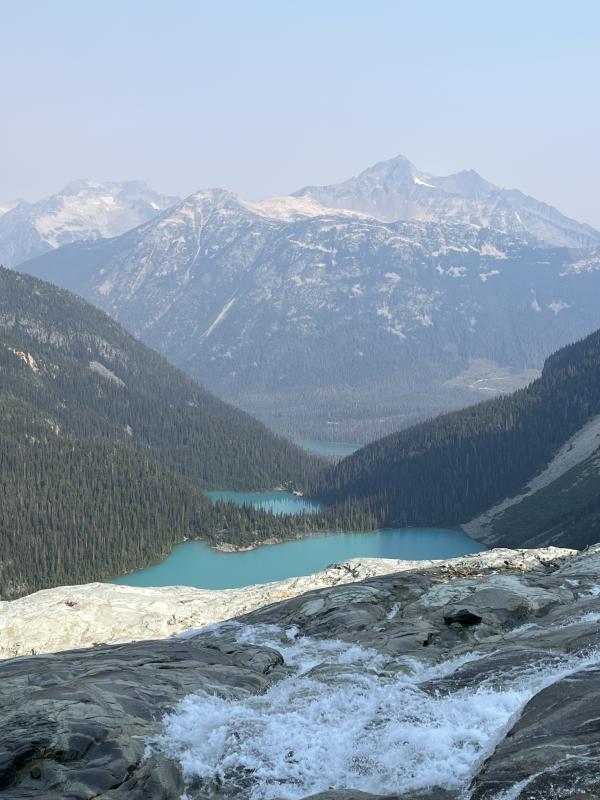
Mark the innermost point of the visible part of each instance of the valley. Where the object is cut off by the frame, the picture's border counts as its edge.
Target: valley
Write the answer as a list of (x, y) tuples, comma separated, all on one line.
[(299, 438), (84, 401), (334, 323)]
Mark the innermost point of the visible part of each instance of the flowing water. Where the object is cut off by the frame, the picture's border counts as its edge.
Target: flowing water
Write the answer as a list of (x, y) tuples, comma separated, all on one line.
[(375, 730)]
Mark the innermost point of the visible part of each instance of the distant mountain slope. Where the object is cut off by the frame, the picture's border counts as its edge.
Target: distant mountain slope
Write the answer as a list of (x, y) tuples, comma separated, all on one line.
[(82, 210), (448, 470), (332, 324), (396, 190), (75, 365), (567, 509)]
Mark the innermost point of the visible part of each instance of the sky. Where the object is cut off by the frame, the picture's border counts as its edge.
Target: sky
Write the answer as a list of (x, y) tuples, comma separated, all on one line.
[(266, 96)]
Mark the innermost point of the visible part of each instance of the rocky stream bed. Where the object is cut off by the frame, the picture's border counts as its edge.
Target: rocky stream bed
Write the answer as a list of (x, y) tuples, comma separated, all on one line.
[(477, 678)]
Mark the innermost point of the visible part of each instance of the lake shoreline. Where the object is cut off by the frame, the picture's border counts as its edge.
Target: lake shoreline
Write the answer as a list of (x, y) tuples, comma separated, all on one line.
[(228, 547), (214, 561)]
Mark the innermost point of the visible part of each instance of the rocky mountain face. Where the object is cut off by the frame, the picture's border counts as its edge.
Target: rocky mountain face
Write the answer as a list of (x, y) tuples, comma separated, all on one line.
[(82, 210), (92, 614), (334, 324), (397, 190), (558, 503), (474, 679)]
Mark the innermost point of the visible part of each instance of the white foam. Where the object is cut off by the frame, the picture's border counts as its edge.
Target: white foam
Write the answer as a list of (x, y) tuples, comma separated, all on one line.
[(515, 791), (342, 720), (585, 619)]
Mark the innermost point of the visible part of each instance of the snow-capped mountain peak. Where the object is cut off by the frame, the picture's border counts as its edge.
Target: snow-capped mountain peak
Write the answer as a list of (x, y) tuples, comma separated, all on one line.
[(286, 207), (8, 205), (396, 190), (83, 209)]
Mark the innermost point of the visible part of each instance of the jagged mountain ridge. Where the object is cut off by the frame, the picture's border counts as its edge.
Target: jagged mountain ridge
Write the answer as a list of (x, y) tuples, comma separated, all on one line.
[(82, 210), (313, 317), (396, 190), (9, 205)]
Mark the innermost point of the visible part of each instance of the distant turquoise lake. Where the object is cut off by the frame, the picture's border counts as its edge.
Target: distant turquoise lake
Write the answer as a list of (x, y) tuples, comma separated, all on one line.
[(196, 564), (333, 450), (277, 502)]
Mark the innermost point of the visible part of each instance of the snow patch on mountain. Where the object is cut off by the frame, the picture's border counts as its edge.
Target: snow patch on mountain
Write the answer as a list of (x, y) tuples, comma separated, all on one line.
[(420, 182), (286, 208), (83, 210), (219, 318), (484, 276), (9, 205), (558, 305)]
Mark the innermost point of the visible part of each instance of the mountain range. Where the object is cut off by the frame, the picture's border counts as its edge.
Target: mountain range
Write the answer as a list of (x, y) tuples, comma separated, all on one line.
[(475, 676), (329, 323)]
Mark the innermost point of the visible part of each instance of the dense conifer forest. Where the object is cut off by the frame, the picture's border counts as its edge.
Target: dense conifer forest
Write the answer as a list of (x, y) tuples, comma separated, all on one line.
[(446, 471), (564, 513), (75, 510), (80, 368), (105, 447)]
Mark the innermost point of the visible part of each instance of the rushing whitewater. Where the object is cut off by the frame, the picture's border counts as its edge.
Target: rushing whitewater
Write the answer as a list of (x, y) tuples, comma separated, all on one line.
[(471, 679), (344, 717)]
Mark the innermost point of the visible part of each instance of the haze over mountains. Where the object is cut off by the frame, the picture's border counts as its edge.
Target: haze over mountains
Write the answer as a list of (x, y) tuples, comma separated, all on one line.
[(520, 469), (335, 322), (105, 447)]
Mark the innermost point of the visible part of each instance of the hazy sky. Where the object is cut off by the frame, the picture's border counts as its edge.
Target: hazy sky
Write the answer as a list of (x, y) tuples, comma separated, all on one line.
[(264, 97)]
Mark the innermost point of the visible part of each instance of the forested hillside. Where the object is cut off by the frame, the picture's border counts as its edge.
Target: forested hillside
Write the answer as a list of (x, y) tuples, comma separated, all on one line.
[(566, 511), (447, 470), (74, 510), (74, 364), (104, 448)]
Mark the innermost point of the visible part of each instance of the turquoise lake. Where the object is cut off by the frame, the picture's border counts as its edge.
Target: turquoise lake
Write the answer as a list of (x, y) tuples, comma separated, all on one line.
[(196, 564), (277, 502), (333, 450)]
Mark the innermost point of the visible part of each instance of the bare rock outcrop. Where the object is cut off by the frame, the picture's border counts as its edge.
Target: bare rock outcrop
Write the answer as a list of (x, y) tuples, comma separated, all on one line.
[(70, 617)]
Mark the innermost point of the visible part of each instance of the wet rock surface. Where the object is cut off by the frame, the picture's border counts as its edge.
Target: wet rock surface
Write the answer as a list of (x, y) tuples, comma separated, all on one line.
[(392, 655)]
